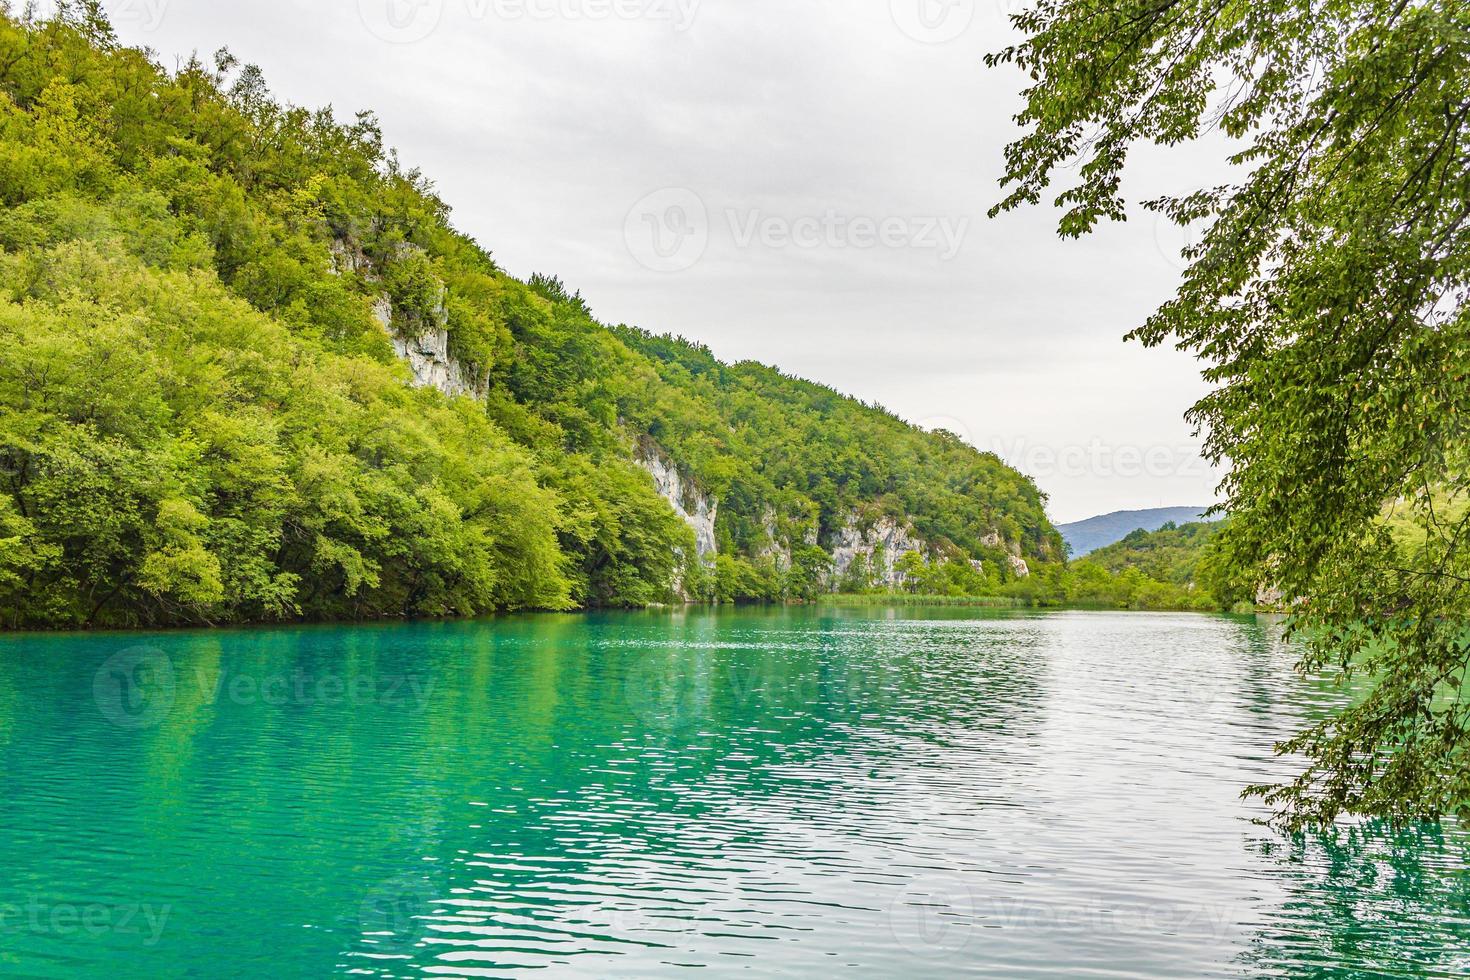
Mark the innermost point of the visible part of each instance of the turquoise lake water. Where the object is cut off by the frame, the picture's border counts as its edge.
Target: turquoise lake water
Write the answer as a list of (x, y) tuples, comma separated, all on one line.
[(870, 792)]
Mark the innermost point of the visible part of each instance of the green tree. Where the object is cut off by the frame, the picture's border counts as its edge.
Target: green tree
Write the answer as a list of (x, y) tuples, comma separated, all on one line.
[(1327, 297)]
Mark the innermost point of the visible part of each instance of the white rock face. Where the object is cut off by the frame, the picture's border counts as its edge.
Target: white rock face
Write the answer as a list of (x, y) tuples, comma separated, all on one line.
[(426, 350), (347, 258), (773, 547), (427, 353), (697, 509), (432, 366), (777, 546), (1019, 568), (895, 540)]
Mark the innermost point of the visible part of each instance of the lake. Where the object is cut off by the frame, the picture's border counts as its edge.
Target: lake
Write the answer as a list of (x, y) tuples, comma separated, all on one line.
[(877, 792)]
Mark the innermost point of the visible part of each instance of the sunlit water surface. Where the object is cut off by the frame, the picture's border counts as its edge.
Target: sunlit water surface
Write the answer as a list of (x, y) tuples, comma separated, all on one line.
[(795, 792)]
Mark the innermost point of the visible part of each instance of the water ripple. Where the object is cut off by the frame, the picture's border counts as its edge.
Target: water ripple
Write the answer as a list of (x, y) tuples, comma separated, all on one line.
[(887, 792)]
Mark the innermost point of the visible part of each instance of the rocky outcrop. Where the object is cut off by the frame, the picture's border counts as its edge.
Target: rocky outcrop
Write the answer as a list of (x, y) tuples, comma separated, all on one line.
[(881, 545), (432, 365), (773, 548), (347, 257), (781, 538), (425, 346), (698, 509), (1018, 565)]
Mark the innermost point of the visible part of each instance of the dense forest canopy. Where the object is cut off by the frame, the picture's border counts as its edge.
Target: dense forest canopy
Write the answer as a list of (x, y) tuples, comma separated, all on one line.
[(211, 300), (1327, 297)]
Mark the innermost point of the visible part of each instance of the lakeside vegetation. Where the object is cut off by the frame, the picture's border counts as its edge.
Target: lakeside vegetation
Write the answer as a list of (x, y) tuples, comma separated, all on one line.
[(1173, 568), (203, 418)]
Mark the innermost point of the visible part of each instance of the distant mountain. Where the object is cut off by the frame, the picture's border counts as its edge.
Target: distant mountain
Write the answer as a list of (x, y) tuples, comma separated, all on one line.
[(1085, 537)]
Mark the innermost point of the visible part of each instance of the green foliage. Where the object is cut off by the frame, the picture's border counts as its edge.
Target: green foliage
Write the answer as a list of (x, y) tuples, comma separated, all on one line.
[(1327, 296), (200, 422), (1163, 569), (1171, 554), (174, 455), (626, 539), (945, 577), (1177, 568)]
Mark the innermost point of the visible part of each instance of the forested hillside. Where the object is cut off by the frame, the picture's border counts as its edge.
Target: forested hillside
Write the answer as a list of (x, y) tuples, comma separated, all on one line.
[(1173, 553), (250, 371), (1174, 567)]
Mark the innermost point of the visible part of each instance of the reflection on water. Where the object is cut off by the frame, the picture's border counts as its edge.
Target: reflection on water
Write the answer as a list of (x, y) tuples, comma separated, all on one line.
[(1367, 901), (916, 792)]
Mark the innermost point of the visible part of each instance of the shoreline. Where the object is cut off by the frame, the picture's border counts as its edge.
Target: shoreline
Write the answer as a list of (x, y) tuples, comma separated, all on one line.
[(836, 600)]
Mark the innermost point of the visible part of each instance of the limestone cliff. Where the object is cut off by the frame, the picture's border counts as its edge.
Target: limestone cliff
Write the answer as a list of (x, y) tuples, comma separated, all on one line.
[(1018, 565), (881, 544), (427, 354), (698, 509), (424, 345)]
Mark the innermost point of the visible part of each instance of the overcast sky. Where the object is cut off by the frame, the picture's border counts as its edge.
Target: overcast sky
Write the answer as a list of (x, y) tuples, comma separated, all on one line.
[(803, 184)]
